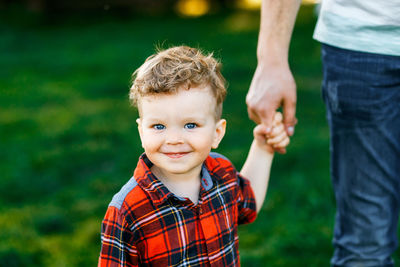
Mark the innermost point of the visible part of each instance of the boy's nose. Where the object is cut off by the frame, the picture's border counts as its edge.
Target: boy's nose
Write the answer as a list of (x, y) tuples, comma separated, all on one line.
[(174, 137)]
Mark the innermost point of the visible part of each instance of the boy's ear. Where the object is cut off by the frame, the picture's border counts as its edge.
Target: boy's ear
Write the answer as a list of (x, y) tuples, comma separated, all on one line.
[(219, 133)]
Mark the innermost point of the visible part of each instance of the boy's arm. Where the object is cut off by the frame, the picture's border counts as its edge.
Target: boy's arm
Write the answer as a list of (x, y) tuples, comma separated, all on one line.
[(117, 248), (257, 169), (257, 166)]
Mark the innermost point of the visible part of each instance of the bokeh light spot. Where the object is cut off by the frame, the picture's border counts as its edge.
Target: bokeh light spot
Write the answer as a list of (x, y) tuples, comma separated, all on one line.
[(193, 8), (310, 2), (249, 4)]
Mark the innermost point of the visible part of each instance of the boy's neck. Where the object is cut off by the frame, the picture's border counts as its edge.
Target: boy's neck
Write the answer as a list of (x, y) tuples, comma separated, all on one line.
[(185, 185)]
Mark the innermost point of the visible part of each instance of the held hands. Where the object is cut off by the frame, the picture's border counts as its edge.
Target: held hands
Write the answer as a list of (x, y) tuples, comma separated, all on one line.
[(272, 86), (276, 140)]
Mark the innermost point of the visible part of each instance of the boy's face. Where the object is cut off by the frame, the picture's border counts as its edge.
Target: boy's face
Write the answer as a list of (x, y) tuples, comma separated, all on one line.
[(178, 130)]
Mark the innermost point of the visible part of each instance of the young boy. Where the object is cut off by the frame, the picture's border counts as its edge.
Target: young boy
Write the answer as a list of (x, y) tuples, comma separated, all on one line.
[(183, 204)]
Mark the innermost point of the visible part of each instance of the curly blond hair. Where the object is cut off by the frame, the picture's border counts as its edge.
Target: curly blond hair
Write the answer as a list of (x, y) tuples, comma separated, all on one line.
[(177, 68)]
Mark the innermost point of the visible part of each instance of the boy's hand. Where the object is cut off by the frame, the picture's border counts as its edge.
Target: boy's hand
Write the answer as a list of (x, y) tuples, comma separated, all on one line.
[(277, 140)]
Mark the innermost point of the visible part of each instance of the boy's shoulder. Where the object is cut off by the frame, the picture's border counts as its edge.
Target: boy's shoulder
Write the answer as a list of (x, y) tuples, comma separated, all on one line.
[(218, 164), (133, 192), (131, 201), (128, 189)]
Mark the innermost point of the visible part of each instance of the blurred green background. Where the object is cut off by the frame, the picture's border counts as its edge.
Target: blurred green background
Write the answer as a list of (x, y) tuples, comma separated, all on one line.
[(68, 138)]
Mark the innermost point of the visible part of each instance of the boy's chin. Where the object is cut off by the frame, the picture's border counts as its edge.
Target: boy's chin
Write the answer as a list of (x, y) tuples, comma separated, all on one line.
[(177, 170)]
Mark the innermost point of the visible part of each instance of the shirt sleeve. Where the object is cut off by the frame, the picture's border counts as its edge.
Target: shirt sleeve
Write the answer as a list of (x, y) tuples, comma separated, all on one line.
[(117, 246), (246, 201)]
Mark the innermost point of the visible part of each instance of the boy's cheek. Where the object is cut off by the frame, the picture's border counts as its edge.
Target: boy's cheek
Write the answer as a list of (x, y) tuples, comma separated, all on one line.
[(142, 141)]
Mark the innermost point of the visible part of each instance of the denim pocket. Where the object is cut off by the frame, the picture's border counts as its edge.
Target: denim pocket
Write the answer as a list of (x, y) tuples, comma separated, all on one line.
[(360, 87)]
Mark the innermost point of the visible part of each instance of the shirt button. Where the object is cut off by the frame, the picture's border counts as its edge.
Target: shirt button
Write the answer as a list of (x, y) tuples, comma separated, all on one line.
[(200, 210)]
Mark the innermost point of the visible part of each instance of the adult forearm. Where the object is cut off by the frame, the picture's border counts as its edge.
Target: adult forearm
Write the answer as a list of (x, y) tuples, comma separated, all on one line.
[(276, 27), (273, 85)]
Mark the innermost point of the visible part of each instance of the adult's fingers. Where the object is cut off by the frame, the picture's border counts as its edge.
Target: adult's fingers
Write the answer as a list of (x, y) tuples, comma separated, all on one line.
[(253, 116), (289, 115), (267, 117), (262, 114)]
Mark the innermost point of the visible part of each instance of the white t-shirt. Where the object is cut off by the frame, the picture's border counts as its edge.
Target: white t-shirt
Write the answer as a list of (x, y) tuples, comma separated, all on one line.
[(362, 25)]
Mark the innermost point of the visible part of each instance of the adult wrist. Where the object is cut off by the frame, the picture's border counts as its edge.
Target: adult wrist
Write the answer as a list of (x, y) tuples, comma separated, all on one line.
[(267, 60)]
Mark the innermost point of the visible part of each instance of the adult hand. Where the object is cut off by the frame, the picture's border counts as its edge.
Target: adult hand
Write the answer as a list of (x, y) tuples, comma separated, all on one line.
[(272, 87)]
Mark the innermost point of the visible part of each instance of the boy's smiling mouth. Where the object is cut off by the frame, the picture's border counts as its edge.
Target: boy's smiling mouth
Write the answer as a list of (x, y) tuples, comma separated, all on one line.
[(175, 155)]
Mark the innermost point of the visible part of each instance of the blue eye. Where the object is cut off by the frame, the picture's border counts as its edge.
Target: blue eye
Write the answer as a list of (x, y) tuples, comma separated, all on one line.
[(190, 125), (158, 127)]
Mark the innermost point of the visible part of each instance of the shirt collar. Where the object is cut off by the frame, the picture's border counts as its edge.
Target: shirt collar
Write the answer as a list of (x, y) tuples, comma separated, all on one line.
[(157, 191)]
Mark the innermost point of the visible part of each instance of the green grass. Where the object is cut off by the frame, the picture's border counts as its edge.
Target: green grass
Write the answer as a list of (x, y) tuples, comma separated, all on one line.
[(68, 139)]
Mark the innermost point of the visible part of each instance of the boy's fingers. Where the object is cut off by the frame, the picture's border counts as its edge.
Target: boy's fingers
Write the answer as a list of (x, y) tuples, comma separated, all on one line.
[(277, 139), (260, 130), (280, 150), (282, 144), (277, 130), (278, 118)]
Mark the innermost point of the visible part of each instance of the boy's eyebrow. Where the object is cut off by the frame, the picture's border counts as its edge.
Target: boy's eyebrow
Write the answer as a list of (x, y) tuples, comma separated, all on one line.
[(193, 118), (153, 119), (184, 118)]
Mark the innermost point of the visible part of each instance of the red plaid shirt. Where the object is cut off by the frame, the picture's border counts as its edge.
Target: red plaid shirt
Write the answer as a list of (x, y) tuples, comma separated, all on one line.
[(147, 225)]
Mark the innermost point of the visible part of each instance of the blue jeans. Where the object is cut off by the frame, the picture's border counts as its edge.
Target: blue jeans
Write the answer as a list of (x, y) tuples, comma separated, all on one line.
[(362, 96)]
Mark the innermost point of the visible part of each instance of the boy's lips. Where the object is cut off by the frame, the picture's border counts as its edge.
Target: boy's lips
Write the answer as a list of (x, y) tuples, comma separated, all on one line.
[(175, 155)]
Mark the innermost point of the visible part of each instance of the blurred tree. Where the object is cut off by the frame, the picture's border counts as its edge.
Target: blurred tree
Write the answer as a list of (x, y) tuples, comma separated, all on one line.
[(35, 5), (145, 6)]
